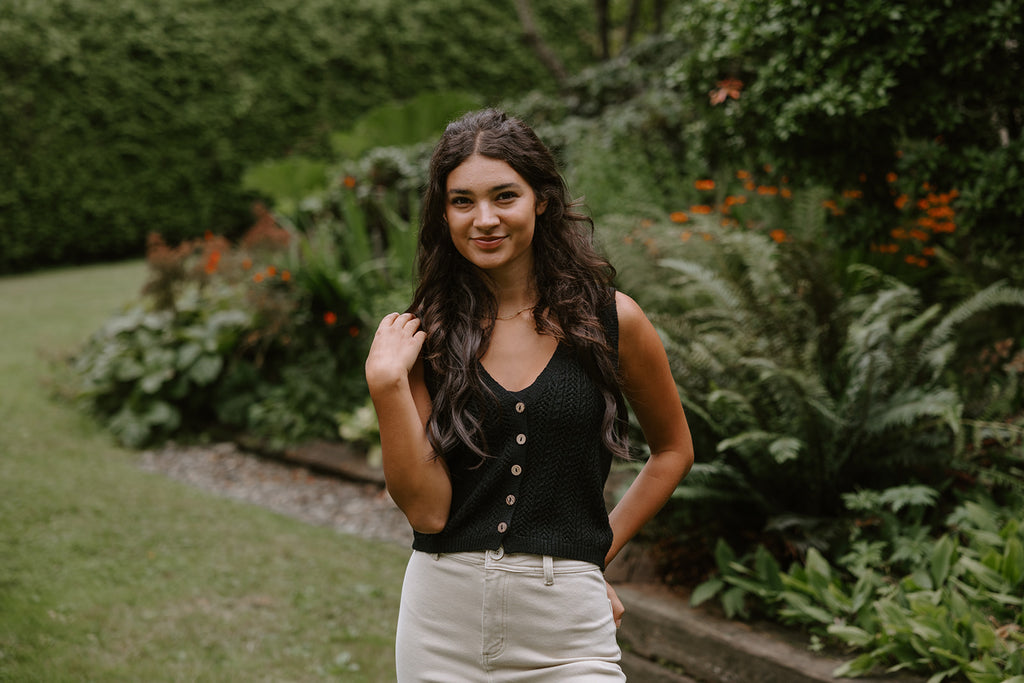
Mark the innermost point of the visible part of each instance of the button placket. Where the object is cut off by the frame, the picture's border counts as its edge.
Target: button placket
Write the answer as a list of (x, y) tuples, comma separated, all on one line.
[(519, 426)]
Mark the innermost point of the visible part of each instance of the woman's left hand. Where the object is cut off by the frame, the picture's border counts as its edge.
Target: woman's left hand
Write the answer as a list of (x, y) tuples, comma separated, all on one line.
[(617, 607)]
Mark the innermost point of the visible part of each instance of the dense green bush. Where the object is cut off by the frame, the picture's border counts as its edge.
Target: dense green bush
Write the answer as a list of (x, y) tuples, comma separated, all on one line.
[(266, 336), (849, 92), (944, 602), (124, 118), (805, 376)]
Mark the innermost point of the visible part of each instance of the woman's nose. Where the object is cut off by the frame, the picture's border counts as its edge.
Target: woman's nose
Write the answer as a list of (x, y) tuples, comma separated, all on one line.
[(486, 216)]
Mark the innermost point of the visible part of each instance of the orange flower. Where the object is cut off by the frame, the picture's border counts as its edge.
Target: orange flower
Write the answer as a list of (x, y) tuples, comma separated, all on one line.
[(767, 168), (770, 190), (779, 235), (330, 318), (853, 194), (891, 177), (211, 262), (246, 264), (947, 226), (349, 182), (742, 175), (786, 193), (928, 251), (749, 186), (730, 87), (735, 199), (271, 271), (901, 201), (898, 233), (702, 209), (258, 277), (705, 184), (678, 217), (286, 275), (685, 235), (207, 235), (920, 235), (353, 331), (941, 212), (707, 236), (923, 204)]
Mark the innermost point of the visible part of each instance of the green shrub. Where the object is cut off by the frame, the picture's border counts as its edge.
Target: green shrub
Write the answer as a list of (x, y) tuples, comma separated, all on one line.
[(122, 119), (267, 336), (948, 606), (807, 377), (806, 84)]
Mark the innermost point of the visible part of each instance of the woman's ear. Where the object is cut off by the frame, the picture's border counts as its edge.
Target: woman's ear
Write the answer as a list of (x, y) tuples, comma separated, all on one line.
[(541, 206)]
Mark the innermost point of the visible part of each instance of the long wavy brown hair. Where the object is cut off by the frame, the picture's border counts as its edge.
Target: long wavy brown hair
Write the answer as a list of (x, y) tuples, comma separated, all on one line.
[(457, 306)]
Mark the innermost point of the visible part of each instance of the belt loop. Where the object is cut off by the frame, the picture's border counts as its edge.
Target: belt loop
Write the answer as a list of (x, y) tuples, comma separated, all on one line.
[(549, 571)]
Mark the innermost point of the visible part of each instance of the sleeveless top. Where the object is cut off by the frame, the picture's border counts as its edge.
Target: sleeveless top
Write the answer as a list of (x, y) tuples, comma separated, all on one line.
[(542, 491)]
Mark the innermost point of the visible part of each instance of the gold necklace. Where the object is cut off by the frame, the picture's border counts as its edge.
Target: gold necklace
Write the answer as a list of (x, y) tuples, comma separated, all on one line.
[(516, 314)]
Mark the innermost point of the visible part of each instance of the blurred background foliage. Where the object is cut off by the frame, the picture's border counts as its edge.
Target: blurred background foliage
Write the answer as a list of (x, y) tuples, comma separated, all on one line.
[(121, 119), (818, 204)]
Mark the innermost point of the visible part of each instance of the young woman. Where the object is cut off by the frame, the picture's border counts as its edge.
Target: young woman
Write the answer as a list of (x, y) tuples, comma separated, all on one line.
[(500, 396)]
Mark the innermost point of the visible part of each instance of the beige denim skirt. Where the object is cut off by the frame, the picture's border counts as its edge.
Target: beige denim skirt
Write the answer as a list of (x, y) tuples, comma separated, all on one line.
[(492, 617)]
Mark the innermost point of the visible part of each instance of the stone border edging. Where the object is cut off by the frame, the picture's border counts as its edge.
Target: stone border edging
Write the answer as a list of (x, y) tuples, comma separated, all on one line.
[(661, 625)]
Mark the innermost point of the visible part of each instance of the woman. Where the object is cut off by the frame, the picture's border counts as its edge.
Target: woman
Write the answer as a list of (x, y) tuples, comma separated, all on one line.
[(500, 396)]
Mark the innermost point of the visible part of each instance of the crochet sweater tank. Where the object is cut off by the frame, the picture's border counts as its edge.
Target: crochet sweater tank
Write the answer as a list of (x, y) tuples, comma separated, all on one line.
[(542, 492)]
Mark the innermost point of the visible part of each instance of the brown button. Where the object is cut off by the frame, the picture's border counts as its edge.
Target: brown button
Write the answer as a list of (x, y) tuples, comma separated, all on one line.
[(502, 528), (517, 470), (520, 407), (521, 439), (510, 499)]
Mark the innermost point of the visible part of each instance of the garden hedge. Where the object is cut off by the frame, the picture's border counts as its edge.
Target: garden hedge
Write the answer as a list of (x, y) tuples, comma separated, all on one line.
[(124, 118)]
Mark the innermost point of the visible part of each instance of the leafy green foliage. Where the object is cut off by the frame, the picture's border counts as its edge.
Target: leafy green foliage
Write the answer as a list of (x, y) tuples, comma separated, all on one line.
[(144, 370), (804, 83), (953, 610), (140, 116), (808, 381), (407, 123)]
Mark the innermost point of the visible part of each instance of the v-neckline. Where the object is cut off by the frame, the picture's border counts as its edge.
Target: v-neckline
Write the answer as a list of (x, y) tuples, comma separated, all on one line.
[(533, 382)]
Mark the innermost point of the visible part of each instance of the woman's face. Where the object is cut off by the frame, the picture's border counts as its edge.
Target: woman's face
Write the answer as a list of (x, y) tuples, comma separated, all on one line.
[(491, 212)]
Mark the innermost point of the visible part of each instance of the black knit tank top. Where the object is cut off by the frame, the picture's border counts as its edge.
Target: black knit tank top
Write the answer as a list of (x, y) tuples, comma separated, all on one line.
[(542, 491)]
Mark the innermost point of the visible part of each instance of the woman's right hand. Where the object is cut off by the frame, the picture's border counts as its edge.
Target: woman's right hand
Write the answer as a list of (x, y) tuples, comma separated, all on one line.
[(395, 348)]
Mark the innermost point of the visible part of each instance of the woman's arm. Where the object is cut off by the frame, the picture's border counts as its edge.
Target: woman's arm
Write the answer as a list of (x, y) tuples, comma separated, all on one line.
[(648, 385), (417, 480)]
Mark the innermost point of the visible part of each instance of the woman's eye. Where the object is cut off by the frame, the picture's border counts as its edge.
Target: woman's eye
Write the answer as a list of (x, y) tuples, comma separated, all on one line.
[(506, 196), (459, 201)]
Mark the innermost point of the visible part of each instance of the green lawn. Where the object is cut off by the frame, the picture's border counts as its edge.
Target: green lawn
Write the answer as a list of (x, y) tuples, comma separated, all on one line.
[(108, 573)]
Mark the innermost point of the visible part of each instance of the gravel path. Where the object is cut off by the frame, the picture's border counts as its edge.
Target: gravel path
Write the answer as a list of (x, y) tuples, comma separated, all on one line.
[(359, 509)]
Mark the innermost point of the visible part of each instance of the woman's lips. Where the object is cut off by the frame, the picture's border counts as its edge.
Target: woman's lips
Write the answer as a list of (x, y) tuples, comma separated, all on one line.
[(488, 242)]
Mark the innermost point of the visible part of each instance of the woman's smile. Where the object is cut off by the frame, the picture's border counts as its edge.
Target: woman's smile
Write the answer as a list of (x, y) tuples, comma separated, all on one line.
[(489, 242)]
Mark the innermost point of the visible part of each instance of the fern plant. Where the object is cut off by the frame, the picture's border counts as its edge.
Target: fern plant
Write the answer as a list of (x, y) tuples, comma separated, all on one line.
[(813, 378)]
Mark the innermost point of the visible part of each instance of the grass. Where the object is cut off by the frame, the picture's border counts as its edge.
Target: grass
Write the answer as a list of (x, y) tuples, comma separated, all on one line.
[(109, 573)]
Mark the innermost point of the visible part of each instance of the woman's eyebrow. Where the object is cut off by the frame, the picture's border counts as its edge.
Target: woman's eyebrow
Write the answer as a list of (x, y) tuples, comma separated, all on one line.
[(496, 188)]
